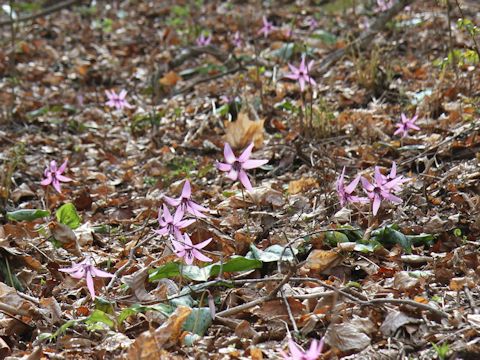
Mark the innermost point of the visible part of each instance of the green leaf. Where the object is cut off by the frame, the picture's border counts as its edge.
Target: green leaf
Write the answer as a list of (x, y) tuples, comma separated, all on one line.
[(335, 237), (173, 269), (198, 321), (27, 214), (97, 318), (388, 235), (271, 254), (67, 215), (421, 239)]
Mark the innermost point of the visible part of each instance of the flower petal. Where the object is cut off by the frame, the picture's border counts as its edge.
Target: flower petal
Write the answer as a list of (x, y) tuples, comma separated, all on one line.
[(223, 167), (252, 164), (200, 256), (63, 178), (171, 201), (228, 154), (90, 285), (376, 204), (246, 153), (202, 244), (243, 177), (187, 190)]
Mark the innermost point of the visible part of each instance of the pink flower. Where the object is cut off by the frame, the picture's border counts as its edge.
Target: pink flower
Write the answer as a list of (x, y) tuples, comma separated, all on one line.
[(237, 39), (267, 27), (406, 125), (345, 192), (312, 23), (384, 5), (393, 176), (381, 190), (85, 269), (297, 353), (184, 248), (54, 176), (301, 73), (236, 166), (186, 203), (204, 41), (171, 225), (117, 101)]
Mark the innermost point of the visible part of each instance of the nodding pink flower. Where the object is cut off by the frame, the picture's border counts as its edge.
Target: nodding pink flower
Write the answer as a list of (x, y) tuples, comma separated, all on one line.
[(384, 5), (405, 125), (171, 225), (393, 176), (381, 190), (237, 39), (236, 166), (53, 175), (184, 248), (85, 269), (301, 74), (204, 41), (267, 28), (186, 203), (117, 101), (297, 353), (345, 192)]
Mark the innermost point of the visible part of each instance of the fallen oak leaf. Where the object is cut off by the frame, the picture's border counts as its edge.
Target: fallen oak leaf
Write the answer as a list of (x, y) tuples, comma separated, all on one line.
[(243, 131)]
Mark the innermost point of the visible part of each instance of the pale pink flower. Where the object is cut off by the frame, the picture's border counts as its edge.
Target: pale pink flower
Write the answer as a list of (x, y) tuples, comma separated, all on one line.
[(185, 248), (380, 190), (312, 23), (204, 41), (301, 74), (405, 125), (236, 166), (384, 5), (85, 269), (117, 101), (172, 225), (186, 203), (297, 353), (53, 175), (393, 176), (345, 192), (267, 28), (237, 39)]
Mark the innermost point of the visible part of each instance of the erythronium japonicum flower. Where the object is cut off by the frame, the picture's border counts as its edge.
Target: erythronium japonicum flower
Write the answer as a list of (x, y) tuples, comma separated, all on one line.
[(171, 225), (267, 27), (300, 74), (117, 101), (85, 269), (393, 176), (237, 39), (345, 192), (204, 41), (384, 5), (186, 203), (184, 248), (297, 353), (381, 190), (405, 125), (53, 175), (236, 166)]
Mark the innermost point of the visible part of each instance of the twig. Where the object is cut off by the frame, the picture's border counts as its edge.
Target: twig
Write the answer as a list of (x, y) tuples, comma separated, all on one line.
[(289, 311), (119, 272), (47, 11)]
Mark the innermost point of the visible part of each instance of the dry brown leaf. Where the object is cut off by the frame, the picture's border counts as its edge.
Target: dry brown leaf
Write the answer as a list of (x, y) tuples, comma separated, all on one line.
[(395, 320), (321, 260), (302, 185), (63, 234), (276, 309), (241, 132), (350, 336), (170, 79), (152, 344)]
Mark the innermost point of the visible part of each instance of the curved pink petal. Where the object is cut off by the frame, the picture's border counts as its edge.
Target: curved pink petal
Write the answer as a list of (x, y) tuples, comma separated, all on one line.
[(56, 185), (301, 81), (228, 154), (62, 167), (185, 223), (122, 94), (162, 231), (178, 246), (376, 204), (358, 199), (246, 153), (187, 241), (295, 350), (200, 256), (233, 174), (90, 285), (404, 118), (414, 127), (189, 257), (243, 177), (391, 197), (46, 181), (352, 186), (63, 178), (252, 164), (202, 244), (187, 190), (177, 218), (101, 273), (393, 171), (223, 167), (167, 216), (366, 184), (171, 201)]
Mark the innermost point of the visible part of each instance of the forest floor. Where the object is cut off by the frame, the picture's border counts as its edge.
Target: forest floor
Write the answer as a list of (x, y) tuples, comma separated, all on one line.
[(286, 260)]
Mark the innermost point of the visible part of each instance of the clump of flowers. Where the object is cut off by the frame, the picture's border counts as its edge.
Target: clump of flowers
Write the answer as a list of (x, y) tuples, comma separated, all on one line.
[(117, 101), (237, 39), (267, 28), (301, 74), (204, 41), (405, 125), (235, 167), (54, 175), (384, 5), (172, 225), (86, 270), (297, 353), (345, 192)]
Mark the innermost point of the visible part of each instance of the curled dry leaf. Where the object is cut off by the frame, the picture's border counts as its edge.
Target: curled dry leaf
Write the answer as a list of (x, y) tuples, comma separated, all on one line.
[(241, 132), (64, 235), (350, 336), (321, 260), (394, 321), (302, 185)]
